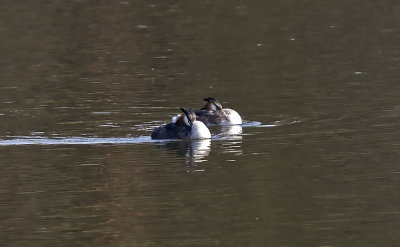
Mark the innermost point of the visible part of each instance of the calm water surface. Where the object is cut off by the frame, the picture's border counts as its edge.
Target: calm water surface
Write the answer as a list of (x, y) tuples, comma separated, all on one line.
[(83, 83)]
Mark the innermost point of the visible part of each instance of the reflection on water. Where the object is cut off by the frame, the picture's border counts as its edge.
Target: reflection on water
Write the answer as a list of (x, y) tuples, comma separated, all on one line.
[(233, 148), (233, 130), (198, 151), (82, 85), (194, 151), (228, 140)]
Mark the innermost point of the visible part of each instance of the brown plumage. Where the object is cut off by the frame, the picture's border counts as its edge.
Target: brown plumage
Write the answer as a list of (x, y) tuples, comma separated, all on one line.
[(213, 114)]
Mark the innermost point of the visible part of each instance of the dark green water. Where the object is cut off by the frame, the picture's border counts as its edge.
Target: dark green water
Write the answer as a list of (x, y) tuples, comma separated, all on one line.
[(83, 83)]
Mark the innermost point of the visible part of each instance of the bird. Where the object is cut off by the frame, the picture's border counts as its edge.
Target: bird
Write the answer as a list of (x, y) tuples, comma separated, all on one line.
[(184, 126), (213, 114)]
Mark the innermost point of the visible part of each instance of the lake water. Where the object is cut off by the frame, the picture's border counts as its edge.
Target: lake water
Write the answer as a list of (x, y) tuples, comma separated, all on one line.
[(316, 163)]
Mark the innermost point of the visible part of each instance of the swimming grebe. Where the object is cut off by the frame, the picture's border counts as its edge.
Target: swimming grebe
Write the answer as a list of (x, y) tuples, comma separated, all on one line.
[(213, 114), (182, 127)]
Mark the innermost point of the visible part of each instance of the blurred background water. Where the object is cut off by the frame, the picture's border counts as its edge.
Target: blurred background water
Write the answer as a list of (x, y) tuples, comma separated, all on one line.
[(84, 82)]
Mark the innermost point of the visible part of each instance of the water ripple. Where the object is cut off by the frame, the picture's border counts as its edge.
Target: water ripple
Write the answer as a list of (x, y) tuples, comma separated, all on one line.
[(225, 133), (29, 140)]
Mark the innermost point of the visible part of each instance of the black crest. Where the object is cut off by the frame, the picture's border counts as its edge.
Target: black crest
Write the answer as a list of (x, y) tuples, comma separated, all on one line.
[(190, 115), (214, 101)]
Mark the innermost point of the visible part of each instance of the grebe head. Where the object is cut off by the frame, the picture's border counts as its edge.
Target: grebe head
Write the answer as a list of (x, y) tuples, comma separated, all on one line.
[(198, 130), (182, 126), (187, 118), (212, 104)]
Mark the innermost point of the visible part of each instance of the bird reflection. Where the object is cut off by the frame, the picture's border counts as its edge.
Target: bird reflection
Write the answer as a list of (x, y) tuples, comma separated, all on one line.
[(195, 151), (198, 151), (229, 131), (232, 130), (228, 141)]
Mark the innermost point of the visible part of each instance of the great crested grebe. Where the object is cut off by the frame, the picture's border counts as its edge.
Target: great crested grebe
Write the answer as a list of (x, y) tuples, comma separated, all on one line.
[(213, 114), (182, 127)]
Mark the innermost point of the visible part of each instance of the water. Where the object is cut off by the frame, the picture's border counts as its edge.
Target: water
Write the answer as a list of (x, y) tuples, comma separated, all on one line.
[(83, 83)]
